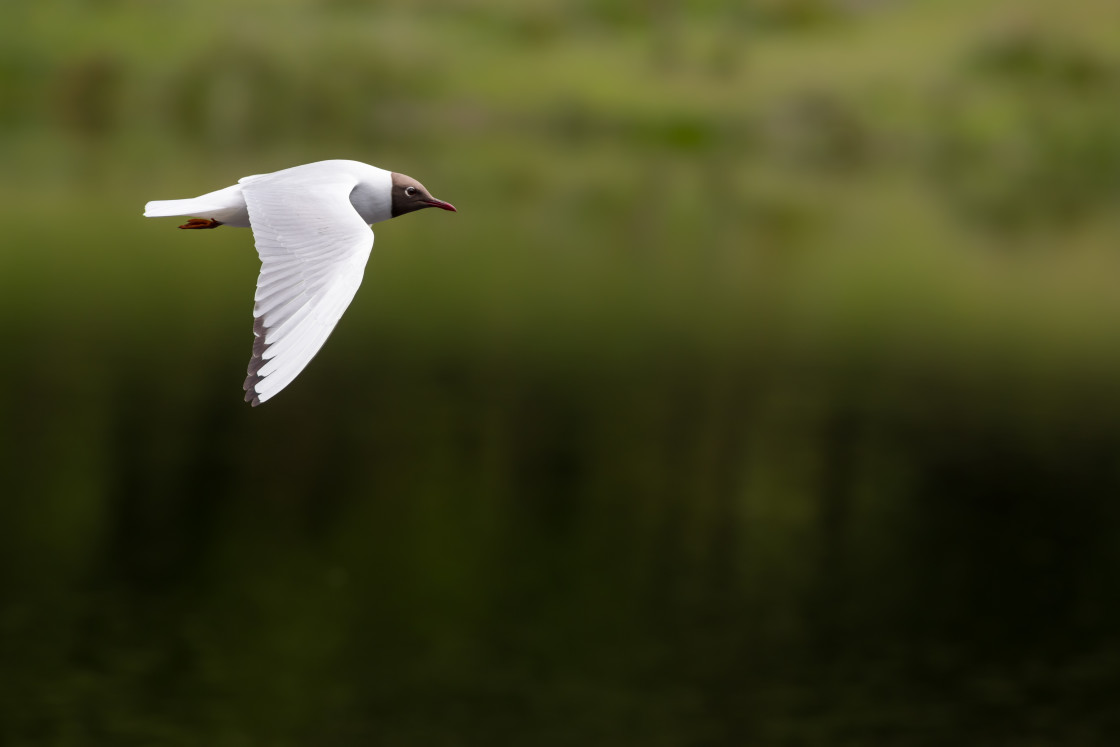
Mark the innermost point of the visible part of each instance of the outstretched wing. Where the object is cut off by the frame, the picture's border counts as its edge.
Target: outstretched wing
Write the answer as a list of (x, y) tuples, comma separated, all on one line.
[(313, 247)]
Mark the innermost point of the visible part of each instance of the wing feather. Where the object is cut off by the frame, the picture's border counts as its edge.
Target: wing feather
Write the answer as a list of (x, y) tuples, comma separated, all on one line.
[(313, 247)]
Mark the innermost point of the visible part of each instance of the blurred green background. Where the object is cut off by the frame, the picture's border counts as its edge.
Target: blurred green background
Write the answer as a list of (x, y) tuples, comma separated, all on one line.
[(765, 390)]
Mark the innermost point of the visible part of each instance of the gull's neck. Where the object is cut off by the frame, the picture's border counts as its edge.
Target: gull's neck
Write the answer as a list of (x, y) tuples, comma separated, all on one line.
[(373, 196)]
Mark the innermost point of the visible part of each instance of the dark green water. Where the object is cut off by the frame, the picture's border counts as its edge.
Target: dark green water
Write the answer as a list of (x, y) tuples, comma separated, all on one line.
[(479, 551)]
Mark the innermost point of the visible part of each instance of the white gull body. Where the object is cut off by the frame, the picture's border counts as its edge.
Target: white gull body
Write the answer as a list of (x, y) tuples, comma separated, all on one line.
[(311, 228)]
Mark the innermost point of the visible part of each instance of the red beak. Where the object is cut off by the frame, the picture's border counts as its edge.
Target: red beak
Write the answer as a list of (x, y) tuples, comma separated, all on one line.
[(440, 204)]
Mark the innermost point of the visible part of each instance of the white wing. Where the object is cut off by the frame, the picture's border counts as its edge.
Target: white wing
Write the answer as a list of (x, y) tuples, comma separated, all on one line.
[(313, 247)]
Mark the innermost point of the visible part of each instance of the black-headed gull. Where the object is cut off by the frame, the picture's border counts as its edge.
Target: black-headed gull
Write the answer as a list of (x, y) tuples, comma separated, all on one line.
[(311, 227)]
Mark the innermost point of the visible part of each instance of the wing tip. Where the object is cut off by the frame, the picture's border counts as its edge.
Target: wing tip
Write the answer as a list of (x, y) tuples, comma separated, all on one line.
[(252, 396)]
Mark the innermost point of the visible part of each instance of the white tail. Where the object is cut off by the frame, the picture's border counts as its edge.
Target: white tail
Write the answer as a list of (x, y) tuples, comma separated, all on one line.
[(226, 205), (163, 208)]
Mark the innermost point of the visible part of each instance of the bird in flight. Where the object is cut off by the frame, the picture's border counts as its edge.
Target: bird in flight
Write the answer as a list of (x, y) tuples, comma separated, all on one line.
[(311, 225)]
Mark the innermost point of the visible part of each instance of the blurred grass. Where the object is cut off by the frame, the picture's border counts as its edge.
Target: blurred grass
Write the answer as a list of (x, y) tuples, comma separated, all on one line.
[(762, 391)]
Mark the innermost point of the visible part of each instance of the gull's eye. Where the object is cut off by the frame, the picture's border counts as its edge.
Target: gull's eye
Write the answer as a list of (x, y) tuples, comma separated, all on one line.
[(410, 191)]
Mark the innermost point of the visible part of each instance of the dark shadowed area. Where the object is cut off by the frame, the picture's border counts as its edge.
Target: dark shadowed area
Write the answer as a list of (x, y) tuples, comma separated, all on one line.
[(764, 390)]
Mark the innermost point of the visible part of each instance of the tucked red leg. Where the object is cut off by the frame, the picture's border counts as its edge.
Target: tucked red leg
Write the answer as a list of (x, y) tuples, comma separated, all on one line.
[(201, 223)]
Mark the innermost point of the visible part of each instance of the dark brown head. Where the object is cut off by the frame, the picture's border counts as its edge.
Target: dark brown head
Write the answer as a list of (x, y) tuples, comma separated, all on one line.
[(409, 195)]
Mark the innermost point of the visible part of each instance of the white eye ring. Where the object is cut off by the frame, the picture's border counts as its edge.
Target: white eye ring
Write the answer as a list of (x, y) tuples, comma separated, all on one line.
[(410, 191)]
